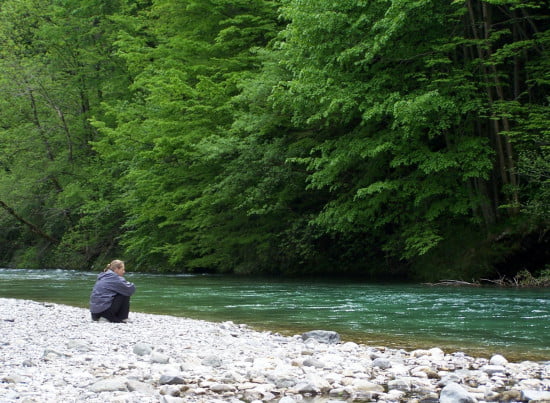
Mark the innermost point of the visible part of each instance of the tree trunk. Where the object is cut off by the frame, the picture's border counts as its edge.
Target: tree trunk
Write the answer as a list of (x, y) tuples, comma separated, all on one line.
[(38, 125), (503, 147), (507, 157)]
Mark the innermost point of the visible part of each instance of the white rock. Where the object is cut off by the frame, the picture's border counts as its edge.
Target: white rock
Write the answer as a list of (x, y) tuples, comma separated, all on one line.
[(222, 387), (536, 395), (436, 352), (419, 353), (382, 363), (398, 370), (493, 369), (143, 349), (366, 386), (395, 395), (532, 384), (319, 382), (401, 384), (349, 346), (141, 387), (109, 385), (454, 393), (498, 359), (171, 399), (79, 345), (159, 358)]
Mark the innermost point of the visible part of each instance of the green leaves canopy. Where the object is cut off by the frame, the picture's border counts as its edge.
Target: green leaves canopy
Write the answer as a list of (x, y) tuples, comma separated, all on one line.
[(296, 136)]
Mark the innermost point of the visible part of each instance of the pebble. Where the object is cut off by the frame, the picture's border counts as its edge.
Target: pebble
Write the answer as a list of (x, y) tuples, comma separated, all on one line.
[(52, 353)]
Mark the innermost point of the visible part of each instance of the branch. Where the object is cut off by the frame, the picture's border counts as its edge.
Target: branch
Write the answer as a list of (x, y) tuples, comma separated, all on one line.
[(31, 226), (454, 283)]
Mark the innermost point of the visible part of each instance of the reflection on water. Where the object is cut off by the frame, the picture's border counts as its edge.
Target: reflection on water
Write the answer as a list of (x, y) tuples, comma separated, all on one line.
[(480, 321)]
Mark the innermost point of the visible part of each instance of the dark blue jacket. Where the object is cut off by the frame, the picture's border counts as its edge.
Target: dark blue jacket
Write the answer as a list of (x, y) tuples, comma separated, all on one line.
[(108, 285)]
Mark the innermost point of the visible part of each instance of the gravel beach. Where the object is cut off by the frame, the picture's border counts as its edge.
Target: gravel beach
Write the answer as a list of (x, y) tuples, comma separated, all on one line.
[(55, 353)]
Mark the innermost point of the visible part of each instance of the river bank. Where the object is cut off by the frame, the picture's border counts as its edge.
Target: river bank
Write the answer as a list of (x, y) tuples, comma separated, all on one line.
[(52, 352)]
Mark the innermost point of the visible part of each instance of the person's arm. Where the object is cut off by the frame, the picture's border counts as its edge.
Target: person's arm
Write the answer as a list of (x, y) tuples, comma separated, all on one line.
[(123, 287)]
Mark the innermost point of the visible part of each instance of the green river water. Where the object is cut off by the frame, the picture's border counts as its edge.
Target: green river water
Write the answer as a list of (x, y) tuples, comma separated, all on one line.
[(479, 320)]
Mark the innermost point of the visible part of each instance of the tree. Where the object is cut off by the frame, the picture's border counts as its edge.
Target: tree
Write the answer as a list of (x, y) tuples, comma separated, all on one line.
[(56, 71), (186, 58)]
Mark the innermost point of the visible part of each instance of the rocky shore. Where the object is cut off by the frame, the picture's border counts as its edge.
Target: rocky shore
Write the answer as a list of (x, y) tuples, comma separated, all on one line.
[(55, 353)]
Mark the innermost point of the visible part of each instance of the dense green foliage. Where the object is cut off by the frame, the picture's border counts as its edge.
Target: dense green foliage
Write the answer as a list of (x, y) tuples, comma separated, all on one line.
[(389, 138)]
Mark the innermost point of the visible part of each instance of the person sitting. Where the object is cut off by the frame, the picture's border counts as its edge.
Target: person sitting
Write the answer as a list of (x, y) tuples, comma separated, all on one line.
[(110, 298)]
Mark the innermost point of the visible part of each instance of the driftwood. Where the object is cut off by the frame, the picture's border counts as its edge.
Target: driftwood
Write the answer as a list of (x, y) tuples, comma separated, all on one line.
[(500, 282), (523, 279), (454, 283)]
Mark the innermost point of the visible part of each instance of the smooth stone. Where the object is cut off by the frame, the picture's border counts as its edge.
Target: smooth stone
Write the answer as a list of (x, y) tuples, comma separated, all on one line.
[(449, 378), (436, 352), (222, 387), (536, 395), (282, 381), (109, 385), (171, 380), (313, 362), (10, 395), (396, 395), (159, 358), (454, 393), (141, 387), (493, 369), (305, 388), (382, 363), (12, 379), (491, 396), (79, 345), (402, 384), (142, 349), (322, 336), (319, 383), (171, 399), (49, 352), (170, 390), (510, 395), (268, 397), (349, 346), (419, 353), (363, 385), (498, 359), (212, 361)]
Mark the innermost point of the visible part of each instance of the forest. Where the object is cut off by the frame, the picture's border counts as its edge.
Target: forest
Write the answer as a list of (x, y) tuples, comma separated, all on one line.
[(388, 139)]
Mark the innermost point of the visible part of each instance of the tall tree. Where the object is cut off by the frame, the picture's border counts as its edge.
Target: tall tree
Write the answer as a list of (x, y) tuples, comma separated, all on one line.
[(187, 58), (56, 70)]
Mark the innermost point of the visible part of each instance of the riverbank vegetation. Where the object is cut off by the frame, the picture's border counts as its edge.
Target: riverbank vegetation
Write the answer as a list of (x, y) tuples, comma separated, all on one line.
[(390, 138), (523, 278)]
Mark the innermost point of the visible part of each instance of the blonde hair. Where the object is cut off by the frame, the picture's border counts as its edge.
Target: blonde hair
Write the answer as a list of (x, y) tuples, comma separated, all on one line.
[(115, 264)]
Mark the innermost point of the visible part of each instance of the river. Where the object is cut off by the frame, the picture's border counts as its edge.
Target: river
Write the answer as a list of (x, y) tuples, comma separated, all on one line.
[(479, 321)]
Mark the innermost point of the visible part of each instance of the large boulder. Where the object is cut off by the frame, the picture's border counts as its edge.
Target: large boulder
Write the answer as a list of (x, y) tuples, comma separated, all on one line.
[(322, 336)]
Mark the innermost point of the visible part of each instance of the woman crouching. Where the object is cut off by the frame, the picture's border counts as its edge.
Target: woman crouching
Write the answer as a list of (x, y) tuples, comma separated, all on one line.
[(110, 297)]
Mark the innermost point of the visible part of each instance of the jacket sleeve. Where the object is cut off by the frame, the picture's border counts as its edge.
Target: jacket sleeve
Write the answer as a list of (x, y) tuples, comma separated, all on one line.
[(121, 286)]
